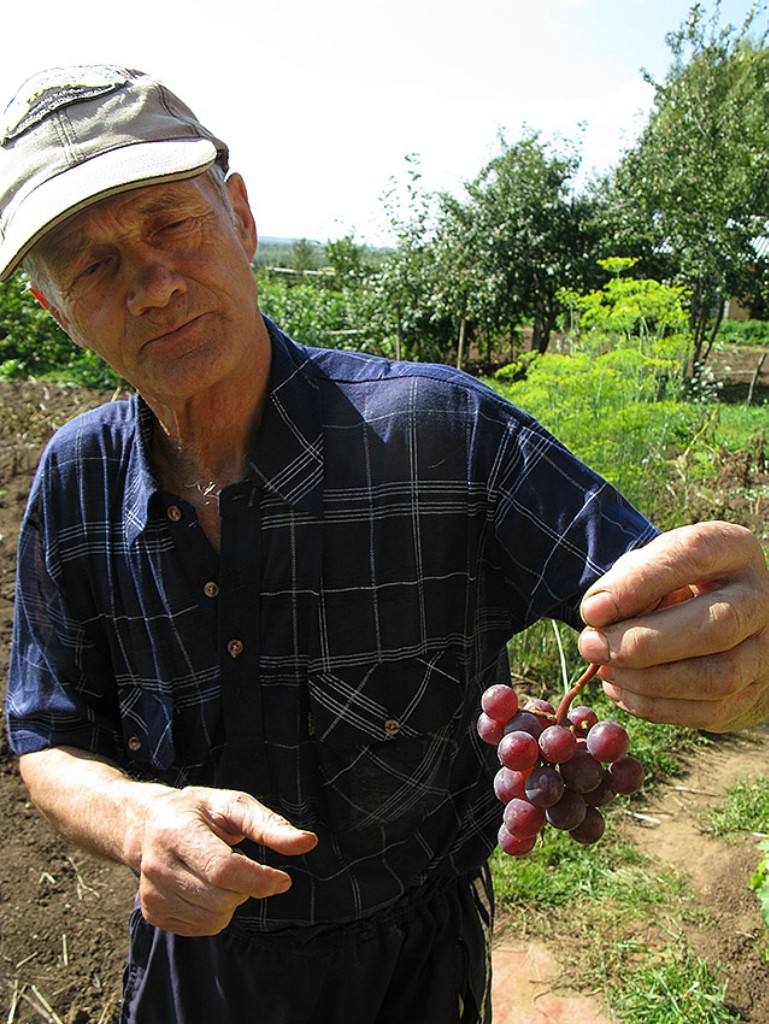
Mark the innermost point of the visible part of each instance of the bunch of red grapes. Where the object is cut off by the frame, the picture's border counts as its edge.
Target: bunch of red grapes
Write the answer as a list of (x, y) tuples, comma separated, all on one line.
[(558, 766)]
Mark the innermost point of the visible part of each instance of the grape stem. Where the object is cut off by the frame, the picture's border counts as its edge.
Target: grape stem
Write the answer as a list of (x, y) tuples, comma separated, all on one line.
[(561, 715)]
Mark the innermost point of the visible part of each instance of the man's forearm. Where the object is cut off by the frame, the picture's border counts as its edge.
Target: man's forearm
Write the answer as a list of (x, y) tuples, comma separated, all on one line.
[(90, 801)]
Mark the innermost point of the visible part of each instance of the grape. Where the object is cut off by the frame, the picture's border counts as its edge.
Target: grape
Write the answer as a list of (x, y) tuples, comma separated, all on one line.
[(500, 702), (568, 813), (524, 721), (591, 829), (557, 744), (518, 750), (583, 773), (607, 741), (514, 846), (508, 784), (582, 717), (489, 730), (544, 787), (602, 795), (523, 819), (626, 774), (542, 706), (558, 767)]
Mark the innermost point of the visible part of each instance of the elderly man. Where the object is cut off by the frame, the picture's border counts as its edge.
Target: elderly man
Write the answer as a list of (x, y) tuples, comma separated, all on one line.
[(258, 602)]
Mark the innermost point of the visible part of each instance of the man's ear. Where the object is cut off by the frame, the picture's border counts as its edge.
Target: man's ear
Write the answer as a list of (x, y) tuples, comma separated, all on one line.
[(244, 218), (60, 319)]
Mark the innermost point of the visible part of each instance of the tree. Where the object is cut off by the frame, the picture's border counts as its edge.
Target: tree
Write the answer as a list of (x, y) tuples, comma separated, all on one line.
[(534, 234), (348, 260), (460, 287), (303, 255), (695, 188), (407, 280)]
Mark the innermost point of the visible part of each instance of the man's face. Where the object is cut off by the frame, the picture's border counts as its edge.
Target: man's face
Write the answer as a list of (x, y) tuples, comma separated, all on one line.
[(158, 282)]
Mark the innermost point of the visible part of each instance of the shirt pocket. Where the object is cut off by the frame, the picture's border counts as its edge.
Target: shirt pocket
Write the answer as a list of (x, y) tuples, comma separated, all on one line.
[(385, 738), (146, 719)]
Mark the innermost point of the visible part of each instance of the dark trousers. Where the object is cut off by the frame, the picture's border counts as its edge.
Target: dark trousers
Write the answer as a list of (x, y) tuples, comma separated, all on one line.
[(427, 960)]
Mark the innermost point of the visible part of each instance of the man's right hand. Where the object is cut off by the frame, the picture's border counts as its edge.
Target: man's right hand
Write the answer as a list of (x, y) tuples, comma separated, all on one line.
[(180, 841), (191, 878)]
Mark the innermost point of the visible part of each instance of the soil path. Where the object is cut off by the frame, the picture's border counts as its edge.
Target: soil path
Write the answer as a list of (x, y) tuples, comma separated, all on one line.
[(725, 927)]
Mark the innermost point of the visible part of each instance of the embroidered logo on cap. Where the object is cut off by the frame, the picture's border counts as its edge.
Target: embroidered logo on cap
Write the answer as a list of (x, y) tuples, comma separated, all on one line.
[(45, 93)]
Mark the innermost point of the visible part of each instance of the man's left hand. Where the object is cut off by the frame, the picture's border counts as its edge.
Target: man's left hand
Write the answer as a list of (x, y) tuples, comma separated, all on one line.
[(681, 629)]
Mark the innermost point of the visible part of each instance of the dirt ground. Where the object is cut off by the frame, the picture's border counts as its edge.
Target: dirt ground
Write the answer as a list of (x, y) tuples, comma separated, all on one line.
[(63, 913)]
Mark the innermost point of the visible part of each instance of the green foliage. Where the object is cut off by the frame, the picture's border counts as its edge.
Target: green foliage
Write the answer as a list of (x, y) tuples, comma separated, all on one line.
[(407, 284), (318, 315), (561, 873), (480, 266), (531, 235), (618, 400), (759, 884), (739, 426), (279, 252), (303, 255), (611, 410), (30, 340), (349, 261), (744, 332), (629, 308), (33, 345)]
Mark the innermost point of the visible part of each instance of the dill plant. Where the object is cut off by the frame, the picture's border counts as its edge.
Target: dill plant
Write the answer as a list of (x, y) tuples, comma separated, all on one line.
[(618, 395)]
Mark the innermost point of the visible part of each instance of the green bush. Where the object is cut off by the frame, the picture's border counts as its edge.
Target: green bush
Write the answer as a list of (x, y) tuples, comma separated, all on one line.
[(744, 332), (33, 345), (318, 315), (31, 342)]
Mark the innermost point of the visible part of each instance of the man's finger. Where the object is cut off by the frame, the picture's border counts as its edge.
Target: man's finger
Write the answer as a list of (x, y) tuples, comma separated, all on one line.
[(235, 816), (190, 906), (711, 623), (665, 569), (722, 714), (710, 679), (230, 871)]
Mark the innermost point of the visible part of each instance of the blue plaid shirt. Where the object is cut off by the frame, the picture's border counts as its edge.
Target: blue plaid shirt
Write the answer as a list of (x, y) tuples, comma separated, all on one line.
[(397, 524)]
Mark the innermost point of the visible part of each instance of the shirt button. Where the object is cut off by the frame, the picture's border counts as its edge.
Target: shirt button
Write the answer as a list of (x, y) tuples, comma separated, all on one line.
[(211, 589), (392, 727), (234, 648), (174, 513), (134, 743)]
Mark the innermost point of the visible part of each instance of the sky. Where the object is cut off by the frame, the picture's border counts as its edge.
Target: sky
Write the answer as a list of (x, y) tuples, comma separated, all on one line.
[(322, 101)]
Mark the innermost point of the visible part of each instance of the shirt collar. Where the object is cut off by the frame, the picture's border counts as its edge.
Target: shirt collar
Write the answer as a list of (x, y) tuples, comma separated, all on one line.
[(287, 455)]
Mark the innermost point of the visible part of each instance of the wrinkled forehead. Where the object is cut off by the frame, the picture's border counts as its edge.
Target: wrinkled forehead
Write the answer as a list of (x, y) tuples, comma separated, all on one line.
[(107, 218)]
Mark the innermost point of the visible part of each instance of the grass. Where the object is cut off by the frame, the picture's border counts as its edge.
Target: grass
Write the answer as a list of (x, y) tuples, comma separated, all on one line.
[(746, 809), (671, 987), (560, 873), (739, 426), (590, 900)]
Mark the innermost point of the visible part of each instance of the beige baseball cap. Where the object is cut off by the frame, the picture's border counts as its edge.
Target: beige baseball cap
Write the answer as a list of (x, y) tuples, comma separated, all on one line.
[(72, 136)]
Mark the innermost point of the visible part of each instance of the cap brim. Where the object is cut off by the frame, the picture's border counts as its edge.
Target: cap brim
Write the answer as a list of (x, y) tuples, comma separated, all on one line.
[(132, 166)]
